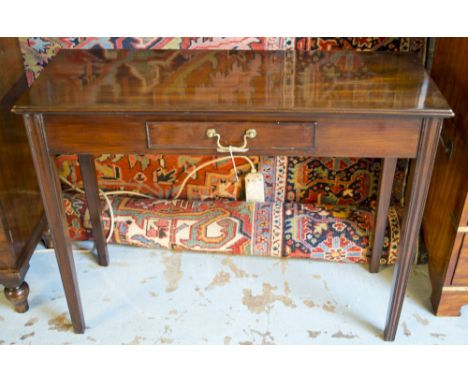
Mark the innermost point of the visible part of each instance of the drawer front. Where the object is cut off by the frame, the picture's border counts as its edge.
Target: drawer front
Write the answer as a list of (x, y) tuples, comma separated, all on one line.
[(265, 136), (322, 136)]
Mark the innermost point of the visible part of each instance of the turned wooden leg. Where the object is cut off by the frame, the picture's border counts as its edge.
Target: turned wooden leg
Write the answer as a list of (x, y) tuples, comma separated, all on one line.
[(420, 177), (385, 193), (18, 297), (49, 185), (88, 173)]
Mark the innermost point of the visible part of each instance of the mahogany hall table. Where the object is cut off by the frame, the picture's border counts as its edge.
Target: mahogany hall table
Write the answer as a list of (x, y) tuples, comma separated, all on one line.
[(350, 104)]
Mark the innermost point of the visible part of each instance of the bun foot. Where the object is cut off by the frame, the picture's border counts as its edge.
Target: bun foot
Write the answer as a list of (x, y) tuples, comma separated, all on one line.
[(18, 297)]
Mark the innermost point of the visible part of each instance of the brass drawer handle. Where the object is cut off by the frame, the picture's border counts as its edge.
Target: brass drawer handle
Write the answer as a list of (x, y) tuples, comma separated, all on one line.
[(250, 133)]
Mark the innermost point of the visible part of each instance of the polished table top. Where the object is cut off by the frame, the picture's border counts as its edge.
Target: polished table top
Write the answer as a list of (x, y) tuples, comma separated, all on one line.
[(152, 81)]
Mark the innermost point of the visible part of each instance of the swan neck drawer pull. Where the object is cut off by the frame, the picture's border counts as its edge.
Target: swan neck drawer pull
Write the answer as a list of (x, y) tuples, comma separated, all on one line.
[(250, 133)]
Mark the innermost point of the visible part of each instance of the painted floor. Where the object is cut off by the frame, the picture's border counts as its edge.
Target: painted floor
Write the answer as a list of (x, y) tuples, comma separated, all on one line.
[(159, 297)]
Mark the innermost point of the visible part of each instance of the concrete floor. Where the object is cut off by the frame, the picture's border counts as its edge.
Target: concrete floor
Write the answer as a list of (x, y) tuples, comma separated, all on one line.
[(159, 297)]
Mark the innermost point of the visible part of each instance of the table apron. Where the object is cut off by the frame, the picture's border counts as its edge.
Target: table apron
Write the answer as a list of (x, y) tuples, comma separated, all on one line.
[(145, 134)]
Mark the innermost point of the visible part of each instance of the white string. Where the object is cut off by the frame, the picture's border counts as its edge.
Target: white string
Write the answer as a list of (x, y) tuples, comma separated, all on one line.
[(233, 163)]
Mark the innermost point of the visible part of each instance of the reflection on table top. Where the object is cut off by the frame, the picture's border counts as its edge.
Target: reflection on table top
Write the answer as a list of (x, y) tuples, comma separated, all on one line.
[(233, 81)]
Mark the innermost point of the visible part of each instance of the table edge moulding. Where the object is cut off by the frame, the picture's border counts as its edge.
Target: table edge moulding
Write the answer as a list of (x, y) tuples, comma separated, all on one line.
[(367, 104)]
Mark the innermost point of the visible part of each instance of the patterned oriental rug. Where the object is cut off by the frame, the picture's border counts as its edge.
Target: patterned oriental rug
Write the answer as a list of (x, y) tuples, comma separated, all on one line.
[(320, 208), (298, 230), (306, 214)]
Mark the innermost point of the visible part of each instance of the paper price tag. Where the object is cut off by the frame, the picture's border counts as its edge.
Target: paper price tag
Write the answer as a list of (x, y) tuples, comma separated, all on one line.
[(254, 187)]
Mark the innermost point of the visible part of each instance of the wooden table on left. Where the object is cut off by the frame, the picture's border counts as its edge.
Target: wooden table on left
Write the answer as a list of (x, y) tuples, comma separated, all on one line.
[(22, 218)]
